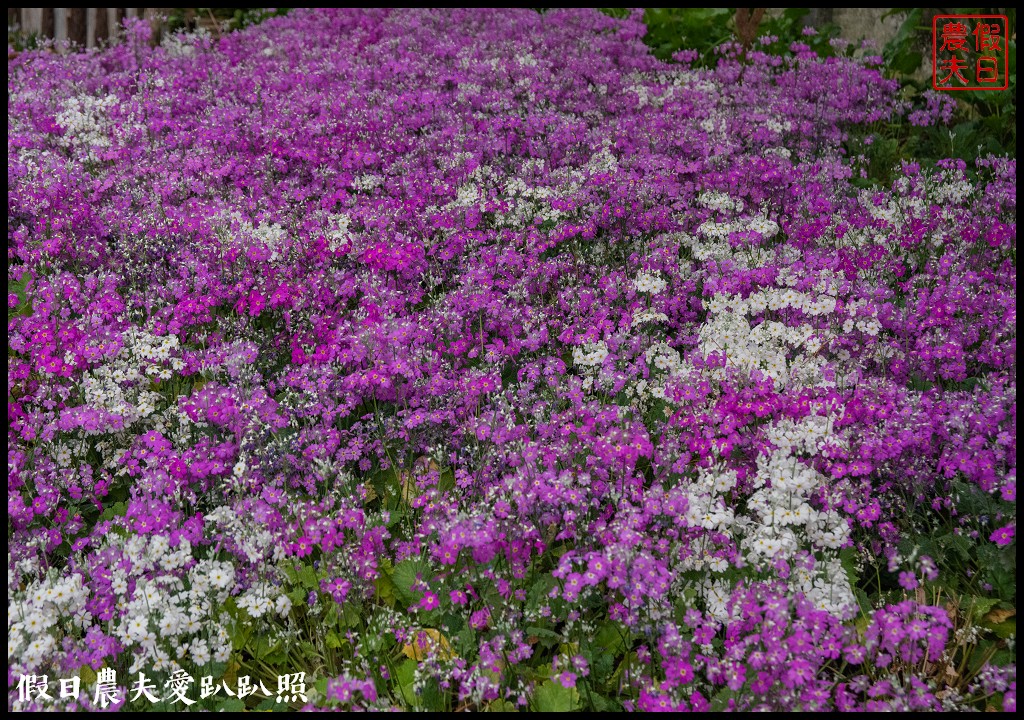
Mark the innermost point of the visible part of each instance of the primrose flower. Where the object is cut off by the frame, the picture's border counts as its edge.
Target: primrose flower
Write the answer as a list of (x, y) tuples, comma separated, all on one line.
[(651, 283), (353, 318), (1004, 535)]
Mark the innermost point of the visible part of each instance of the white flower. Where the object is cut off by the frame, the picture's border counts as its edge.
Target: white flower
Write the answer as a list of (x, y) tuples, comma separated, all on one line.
[(170, 623), (765, 227), (137, 628), (725, 481), (718, 304), (650, 283), (590, 354), (222, 576), (223, 652), (648, 316), (200, 652), (715, 230)]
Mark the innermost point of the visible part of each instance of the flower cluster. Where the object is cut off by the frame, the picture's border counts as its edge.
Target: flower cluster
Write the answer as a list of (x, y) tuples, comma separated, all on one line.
[(477, 359)]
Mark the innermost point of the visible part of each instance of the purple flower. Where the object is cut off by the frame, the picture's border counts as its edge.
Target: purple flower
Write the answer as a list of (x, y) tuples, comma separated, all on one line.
[(1004, 535), (908, 580)]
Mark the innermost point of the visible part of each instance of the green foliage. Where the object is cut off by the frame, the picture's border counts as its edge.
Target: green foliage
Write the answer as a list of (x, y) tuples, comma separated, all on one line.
[(230, 19), (974, 573), (977, 573), (788, 28), (405, 574), (904, 53), (245, 17), (985, 121), (672, 29), (19, 41), (24, 306), (552, 696), (705, 30)]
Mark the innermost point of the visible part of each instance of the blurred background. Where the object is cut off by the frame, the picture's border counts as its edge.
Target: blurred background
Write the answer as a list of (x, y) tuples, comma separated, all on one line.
[(901, 37), (90, 27)]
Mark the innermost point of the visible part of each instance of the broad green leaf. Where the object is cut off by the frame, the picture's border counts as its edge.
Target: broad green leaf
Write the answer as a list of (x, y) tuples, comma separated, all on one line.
[(980, 606), (500, 706), (609, 639), (552, 696), (405, 575), (230, 705), (1005, 629), (307, 576), (404, 677), (720, 700)]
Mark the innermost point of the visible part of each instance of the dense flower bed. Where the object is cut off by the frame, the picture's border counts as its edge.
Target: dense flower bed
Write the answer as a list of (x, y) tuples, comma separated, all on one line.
[(465, 359)]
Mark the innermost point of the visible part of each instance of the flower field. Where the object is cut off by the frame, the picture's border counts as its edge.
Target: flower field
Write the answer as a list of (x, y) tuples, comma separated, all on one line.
[(481, 360)]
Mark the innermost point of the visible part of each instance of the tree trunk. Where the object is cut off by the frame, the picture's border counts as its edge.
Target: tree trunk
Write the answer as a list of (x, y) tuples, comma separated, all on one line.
[(48, 27), (102, 31), (76, 26), (747, 22)]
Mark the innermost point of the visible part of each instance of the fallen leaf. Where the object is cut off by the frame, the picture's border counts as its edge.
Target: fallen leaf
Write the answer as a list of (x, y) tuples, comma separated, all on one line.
[(369, 494), (998, 615), (428, 641)]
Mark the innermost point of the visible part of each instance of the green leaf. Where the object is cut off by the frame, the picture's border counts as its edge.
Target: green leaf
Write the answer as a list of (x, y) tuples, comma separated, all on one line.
[(603, 704), (500, 706), (720, 700), (396, 516), (454, 622), (609, 639), (269, 704), (542, 632), (902, 44), (795, 14), (307, 576), (405, 575), (404, 676), (264, 647), (956, 543), (350, 615), (538, 594), (1005, 629), (551, 696), (980, 606), (447, 480), (848, 559), (387, 593), (118, 509), (907, 62), (548, 638), (240, 635), (19, 288)]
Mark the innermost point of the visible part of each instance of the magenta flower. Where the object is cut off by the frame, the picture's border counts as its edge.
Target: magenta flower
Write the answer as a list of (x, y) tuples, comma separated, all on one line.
[(625, 358), (1004, 535), (302, 547), (908, 580), (566, 678)]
